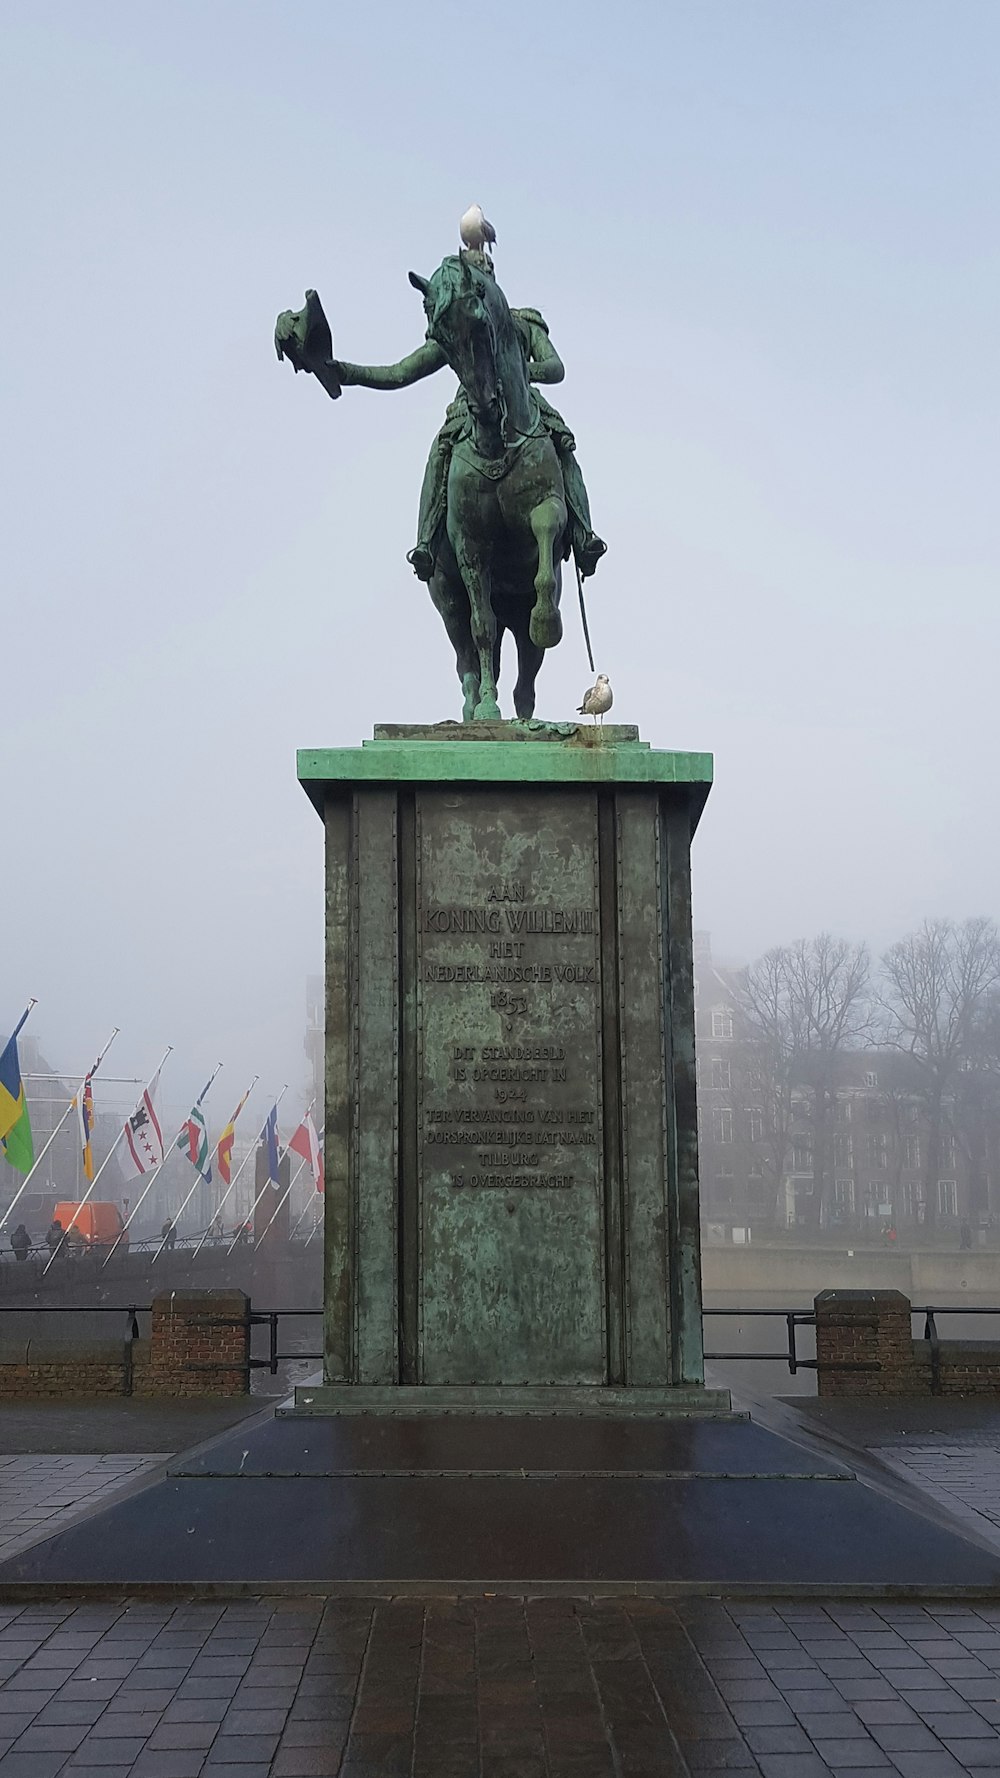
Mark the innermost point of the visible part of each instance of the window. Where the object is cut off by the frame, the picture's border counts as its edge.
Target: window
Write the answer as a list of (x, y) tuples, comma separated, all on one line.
[(801, 1157), (843, 1196), (756, 1120), (722, 1023), (842, 1111), (871, 1080), (722, 1123), (842, 1154), (722, 1073), (948, 1151), (947, 1197), (911, 1152), (907, 1198), (876, 1149)]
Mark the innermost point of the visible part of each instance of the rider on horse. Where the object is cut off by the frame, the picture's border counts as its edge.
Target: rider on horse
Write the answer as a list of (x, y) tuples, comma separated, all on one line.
[(544, 366)]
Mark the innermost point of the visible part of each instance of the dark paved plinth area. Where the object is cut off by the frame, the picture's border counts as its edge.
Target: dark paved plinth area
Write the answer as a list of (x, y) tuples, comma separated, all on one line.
[(438, 1506), (112, 1423), (476, 1687)]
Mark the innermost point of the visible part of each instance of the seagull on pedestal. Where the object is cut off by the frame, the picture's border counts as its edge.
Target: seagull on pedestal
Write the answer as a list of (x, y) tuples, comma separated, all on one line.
[(475, 231), (598, 699)]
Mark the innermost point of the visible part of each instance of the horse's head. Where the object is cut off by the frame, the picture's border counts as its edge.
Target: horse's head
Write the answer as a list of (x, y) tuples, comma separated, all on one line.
[(468, 317)]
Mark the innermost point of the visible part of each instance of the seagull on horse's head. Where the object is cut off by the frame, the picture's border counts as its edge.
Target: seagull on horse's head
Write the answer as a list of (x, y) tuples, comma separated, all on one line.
[(475, 230)]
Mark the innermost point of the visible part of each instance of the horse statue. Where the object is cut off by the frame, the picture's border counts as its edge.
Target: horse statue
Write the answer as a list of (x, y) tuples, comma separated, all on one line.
[(496, 561), (500, 564)]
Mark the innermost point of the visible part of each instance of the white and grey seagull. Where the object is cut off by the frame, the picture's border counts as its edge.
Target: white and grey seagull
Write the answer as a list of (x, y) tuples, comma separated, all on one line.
[(598, 699), (475, 230)]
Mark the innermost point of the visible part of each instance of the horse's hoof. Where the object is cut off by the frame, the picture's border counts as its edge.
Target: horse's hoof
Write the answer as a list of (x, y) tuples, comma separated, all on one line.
[(545, 628), (488, 710)]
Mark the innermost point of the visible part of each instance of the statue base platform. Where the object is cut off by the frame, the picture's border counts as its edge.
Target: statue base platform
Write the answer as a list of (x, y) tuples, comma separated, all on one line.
[(511, 1134), (439, 1504), (546, 1398)]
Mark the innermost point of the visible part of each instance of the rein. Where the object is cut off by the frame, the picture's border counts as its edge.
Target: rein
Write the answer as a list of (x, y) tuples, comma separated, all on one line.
[(494, 469)]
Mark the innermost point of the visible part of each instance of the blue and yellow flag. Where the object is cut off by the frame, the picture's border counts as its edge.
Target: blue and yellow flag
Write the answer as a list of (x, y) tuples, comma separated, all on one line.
[(12, 1106)]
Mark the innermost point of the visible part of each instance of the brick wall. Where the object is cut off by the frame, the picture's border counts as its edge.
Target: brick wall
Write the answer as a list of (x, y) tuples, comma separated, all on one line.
[(872, 1328), (869, 1328), (199, 1345), (30, 1369)]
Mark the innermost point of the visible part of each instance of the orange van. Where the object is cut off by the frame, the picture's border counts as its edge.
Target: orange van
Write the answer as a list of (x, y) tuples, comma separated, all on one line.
[(97, 1225)]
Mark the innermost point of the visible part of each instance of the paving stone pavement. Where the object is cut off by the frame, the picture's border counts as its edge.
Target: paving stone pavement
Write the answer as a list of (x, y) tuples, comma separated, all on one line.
[(963, 1476), (496, 1687), (40, 1494)]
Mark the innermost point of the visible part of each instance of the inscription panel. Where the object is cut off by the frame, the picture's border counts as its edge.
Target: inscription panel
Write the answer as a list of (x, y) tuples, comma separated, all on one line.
[(509, 1130)]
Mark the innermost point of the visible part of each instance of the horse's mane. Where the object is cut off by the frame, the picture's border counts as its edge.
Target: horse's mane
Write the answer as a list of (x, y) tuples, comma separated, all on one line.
[(452, 277)]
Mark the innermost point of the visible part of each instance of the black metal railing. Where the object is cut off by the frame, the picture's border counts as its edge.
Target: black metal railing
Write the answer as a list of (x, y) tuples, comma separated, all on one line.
[(789, 1354), (793, 1319)]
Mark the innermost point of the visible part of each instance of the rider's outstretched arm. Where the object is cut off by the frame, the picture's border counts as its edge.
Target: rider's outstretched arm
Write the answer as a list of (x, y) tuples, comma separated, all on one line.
[(421, 363)]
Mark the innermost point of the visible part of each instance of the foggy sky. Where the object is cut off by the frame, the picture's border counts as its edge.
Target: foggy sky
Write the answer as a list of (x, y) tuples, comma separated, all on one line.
[(764, 235)]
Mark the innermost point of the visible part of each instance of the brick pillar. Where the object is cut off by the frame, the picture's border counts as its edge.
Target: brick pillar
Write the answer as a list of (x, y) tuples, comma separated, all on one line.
[(869, 1327), (199, 1344)]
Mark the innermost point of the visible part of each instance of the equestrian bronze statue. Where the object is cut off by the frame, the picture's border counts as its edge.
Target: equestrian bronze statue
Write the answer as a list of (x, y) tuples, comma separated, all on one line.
[(503, 502)]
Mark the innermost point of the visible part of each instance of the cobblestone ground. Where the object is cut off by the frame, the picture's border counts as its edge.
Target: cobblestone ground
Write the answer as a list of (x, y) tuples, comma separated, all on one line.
[(498, 1688), (38, 1495), (964, 1477)]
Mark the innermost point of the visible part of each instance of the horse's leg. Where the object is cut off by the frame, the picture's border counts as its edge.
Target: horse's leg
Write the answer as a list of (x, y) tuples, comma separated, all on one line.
[(476, 576), (547, 521), (529, 659), (452, 601)]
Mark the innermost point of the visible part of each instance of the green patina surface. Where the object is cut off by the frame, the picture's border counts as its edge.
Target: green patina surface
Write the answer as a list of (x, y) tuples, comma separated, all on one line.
[(511, 1147), (571, 759)]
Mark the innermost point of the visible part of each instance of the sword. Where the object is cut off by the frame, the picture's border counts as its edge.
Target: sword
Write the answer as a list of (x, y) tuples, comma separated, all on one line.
[(583, 615)]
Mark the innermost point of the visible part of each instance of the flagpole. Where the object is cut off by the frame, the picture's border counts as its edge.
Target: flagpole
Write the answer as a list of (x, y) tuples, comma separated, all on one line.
[(233, 1183), (303, 1213), (22, 1020), (199, 1180), (285, 1194), (62, 1120), (263, 1188), (316, 1224), (157, 1169), (92, 1186), (298, 1174)]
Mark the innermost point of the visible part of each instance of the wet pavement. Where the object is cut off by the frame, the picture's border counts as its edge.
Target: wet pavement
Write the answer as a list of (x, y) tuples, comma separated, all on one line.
[(498, 1688), (40, 1495)]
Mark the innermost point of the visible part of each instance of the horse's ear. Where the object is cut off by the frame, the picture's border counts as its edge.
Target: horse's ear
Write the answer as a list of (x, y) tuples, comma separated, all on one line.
[(419, 283)]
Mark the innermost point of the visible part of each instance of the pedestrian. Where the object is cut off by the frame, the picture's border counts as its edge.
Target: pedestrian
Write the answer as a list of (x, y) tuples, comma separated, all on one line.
[(21, 1242), (168, 1235), (54, 1235)]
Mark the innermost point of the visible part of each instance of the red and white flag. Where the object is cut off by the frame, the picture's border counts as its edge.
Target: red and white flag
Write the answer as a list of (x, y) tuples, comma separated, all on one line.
[(305, 1142), (142, 1131)]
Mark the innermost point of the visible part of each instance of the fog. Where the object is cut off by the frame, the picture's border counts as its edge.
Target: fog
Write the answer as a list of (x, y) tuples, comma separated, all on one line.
[(764, 238)]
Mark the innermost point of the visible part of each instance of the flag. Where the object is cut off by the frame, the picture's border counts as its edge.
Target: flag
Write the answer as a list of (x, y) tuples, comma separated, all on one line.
[(224, 1152), (84, 1103), (305, 1142), (18, 1146), (270, 1138), (193, 1143), (12, 1107), (142, 1131)]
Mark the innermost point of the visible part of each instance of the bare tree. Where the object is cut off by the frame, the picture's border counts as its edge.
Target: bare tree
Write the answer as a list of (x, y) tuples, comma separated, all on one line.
[(935, 984), (769, 1044), (802, 1006)]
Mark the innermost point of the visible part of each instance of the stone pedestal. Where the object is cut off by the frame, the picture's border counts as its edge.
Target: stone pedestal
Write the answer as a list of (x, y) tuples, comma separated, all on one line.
[(511, 1137)]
